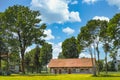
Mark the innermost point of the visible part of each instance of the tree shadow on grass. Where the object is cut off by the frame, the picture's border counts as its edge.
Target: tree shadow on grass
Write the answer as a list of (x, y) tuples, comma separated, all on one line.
[(30, 75), (113, 75)]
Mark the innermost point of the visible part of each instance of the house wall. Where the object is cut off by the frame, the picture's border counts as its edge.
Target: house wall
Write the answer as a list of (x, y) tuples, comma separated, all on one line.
[(70, 70)]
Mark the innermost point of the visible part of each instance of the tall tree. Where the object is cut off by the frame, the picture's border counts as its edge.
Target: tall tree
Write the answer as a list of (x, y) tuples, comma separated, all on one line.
[(1, 29), (85, 40), (32, 60), (29, 61), (70, 48), (21, 24), (3, 44), (105, 39), (114, 32), (94, 28), (36, 59), (113, 55), (45, 54)]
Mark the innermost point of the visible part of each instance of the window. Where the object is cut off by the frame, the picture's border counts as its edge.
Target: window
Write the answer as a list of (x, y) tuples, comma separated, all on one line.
[(77, 70)]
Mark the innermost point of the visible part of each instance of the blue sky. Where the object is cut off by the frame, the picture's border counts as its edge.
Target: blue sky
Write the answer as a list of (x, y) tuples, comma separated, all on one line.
[(64, 18)]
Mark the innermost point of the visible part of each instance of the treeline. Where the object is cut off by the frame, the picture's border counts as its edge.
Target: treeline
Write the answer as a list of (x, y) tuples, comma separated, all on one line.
[(95, 36)]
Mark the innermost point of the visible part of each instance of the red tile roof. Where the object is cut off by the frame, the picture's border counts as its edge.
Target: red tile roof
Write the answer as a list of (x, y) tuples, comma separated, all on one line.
[(83, 62)]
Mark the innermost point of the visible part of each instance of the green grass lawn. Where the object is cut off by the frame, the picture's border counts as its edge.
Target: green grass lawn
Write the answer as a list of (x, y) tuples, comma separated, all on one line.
[(60, 77)]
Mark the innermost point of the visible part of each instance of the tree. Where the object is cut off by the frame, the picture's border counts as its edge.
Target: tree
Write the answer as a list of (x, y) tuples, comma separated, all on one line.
[(45, 54), (21, 24), (113, 55), (85, 40), (111, 66), (3, 45), (36, 59), (101, 67), (105, 39), (94, 28), (90, 36), (1, 39), (29, 61), (114, 31), (70, 48), (98, 31)]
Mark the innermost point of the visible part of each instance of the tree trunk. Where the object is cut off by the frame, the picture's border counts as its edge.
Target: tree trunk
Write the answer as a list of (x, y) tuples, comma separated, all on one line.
[(0, 62), (98, 54), (106, 67), (22, 63), (7, 62), (93, 63), (46, 69)]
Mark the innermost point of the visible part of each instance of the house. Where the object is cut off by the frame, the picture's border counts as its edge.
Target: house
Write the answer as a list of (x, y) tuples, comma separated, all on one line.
[(82, 65)]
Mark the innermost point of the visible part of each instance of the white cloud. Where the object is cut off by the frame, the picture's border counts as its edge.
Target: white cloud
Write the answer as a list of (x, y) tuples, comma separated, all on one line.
[(101, 18), (14, 35), (114, 2), (30, 48), (73, 16), (55, 11), (56, 49), (89, 1), (118, 54), (68, 30), (74, 2), (84, 55), (49, 34)]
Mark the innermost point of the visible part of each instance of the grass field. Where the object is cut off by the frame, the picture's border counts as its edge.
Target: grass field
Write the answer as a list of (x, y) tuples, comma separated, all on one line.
[(60, 77)]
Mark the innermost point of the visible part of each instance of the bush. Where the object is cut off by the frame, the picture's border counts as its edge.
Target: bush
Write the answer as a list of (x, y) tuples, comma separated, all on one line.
[(0, 72)]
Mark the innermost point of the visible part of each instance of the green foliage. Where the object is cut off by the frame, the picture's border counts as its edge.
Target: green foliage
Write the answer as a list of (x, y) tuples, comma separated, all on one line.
[(89, 33), (14, 59), (114, 30), (61, 56), (32, 60), (111, 66), (101, 65), (37, 58), (4, 65)]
